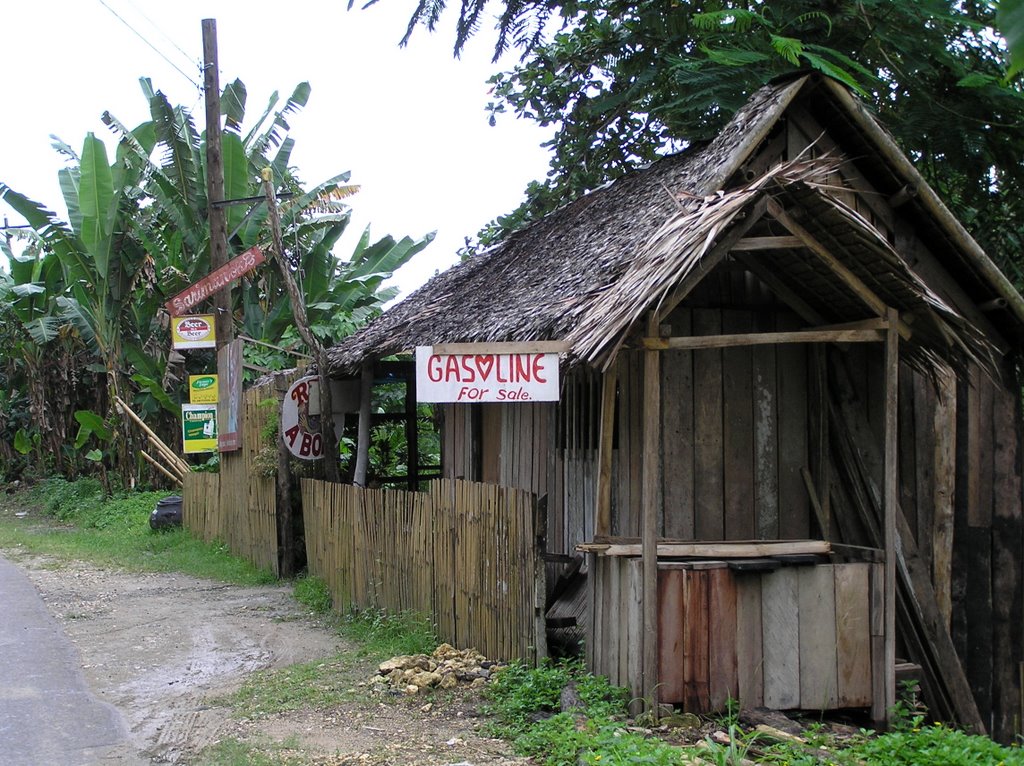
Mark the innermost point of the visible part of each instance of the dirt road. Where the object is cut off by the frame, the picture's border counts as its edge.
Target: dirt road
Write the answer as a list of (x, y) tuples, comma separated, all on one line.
[(165, 649)]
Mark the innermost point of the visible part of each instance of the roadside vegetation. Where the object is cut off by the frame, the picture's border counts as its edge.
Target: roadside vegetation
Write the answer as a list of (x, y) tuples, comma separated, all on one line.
[(557, 714)]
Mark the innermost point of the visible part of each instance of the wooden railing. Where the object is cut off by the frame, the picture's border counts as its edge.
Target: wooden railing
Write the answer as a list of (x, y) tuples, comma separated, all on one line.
[(464, 553)]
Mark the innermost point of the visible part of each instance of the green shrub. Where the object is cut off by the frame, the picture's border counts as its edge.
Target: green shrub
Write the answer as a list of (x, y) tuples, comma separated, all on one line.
[(313, 593), (519, 694), (386, 635)]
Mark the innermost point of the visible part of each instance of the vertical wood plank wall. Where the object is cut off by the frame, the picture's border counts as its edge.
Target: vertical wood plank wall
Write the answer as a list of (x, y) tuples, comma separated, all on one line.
[(463, 553), (798, 637), (238, 506)]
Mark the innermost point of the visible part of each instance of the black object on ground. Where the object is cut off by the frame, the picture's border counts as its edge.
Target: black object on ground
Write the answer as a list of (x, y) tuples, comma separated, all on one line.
[(167, 513)]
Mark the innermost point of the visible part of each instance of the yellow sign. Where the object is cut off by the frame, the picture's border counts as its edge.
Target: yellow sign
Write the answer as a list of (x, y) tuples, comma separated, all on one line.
[(193, 332), (202, 389)]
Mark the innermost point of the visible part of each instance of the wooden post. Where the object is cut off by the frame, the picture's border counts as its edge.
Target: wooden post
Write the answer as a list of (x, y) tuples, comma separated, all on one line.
[(283, 496), (891, 495), (224, 326), (603, 522), (649, 524), (363, 439)]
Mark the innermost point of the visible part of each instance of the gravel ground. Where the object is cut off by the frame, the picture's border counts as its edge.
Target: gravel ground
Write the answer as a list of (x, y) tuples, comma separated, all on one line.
[(164, 649)]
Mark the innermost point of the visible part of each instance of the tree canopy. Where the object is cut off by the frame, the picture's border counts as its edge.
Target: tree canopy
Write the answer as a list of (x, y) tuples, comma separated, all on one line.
[(626, 82)]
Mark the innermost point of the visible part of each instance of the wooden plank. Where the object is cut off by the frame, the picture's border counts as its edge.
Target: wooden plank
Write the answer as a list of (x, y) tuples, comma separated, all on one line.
[(1007, 572), (853, 635), (781, 639), (651, 501), (635, 634), (723, 682), (795, 513), (708, 438), (818, 653), (766, 433), (518, 347), (732, 340), (749, 654), (768, 243), (695, 644), (738, 432), (729, 549), (611, 605), (944, 494), (671, 617), (603, 524), (890, 490), (677, 434)]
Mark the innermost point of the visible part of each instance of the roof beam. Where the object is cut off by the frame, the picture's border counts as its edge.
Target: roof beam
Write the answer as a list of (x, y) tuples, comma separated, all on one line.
[(693, 342), (840, 270), (768, 243), (785, 293)]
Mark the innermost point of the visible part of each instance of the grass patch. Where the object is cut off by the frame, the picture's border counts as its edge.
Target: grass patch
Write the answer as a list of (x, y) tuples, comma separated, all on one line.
[(381, 635), (74, 521), (233, 752), (317, 684), (312, 592)]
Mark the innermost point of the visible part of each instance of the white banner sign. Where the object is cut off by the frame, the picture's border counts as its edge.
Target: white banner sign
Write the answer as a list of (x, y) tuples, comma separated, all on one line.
[(471, 378)]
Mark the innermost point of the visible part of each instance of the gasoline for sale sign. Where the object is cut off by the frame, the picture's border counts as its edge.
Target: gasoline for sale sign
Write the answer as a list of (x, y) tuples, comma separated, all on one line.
[(485, 377), (202, 389), (193, 331), (199, 427)]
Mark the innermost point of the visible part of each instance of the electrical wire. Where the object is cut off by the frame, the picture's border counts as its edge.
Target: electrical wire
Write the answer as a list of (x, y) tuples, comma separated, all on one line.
[(147, 42)]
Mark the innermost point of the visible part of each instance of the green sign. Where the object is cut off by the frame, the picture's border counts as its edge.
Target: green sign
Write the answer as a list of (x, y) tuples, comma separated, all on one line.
[(199, 427)]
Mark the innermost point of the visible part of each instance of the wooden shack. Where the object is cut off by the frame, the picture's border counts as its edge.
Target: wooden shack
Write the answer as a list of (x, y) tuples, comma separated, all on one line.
[(788, 437)]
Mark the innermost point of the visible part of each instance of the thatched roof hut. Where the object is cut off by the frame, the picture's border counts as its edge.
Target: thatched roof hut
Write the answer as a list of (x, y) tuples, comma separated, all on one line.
[(781, 335)]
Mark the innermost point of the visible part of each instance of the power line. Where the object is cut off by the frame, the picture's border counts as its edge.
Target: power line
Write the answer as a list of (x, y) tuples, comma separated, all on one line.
[(147, 42), (164, 34)]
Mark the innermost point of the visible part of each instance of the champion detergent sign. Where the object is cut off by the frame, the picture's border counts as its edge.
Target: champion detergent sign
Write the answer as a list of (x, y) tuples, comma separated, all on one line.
[(467, 378), (199, 427), (194, 331)]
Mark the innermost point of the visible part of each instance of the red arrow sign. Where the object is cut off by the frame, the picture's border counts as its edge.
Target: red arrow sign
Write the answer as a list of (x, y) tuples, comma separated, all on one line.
[(234, 269)]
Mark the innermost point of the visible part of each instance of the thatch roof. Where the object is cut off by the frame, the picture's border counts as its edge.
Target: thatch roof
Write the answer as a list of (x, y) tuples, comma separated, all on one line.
[(588, 272)]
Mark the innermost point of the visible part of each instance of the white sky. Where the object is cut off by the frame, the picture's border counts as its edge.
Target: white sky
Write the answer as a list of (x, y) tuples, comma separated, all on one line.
[(408, 123)]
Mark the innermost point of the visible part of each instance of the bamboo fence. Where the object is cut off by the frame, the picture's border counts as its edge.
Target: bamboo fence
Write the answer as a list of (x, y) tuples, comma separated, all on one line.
[(463, 553), (238, 506)]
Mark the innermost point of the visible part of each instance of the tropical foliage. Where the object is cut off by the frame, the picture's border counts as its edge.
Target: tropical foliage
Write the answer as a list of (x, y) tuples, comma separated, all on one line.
[(625, 82), (83, 300)]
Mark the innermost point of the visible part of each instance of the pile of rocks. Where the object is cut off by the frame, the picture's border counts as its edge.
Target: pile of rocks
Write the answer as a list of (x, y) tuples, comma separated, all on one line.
[(445, 668)]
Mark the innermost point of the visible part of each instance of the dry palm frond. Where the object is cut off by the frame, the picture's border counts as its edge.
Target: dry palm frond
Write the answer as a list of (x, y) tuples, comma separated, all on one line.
[(674, 252)]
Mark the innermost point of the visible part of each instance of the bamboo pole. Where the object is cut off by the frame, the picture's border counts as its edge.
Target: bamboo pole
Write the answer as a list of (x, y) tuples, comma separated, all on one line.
[(157, 441), (153, 462)]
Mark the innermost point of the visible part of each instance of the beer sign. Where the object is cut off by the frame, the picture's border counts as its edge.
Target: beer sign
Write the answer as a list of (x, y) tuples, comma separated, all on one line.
[(196, 331)]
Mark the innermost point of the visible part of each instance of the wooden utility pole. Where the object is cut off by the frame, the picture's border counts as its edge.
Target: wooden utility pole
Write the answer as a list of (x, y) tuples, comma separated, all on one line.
[(215, 182)]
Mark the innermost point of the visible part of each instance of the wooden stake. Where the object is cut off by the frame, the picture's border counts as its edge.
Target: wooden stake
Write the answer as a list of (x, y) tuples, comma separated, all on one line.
[(603, 522)]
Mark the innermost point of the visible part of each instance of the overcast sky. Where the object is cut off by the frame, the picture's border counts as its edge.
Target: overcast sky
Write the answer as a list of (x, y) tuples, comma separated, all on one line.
[(408, 123)]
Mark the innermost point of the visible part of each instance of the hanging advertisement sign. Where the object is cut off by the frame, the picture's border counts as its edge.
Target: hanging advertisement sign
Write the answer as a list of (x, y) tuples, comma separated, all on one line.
[(300, 419), (194, 331), (229, 401), (202, 389), (234, 269), (199, 427), (472, 378)]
